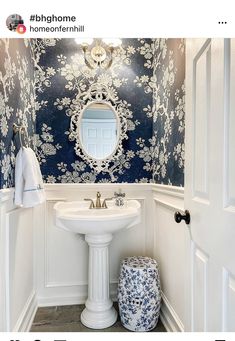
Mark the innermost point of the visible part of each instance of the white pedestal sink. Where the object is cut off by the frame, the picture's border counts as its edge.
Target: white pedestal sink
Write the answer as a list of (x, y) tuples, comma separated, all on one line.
[(98, 226)]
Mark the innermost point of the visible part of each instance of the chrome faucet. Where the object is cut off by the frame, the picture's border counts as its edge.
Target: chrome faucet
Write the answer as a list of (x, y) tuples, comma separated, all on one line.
[(98, 204)]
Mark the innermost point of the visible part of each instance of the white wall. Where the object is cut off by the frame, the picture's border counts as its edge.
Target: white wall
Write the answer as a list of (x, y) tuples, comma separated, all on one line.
[(17, 292), (170, 249)]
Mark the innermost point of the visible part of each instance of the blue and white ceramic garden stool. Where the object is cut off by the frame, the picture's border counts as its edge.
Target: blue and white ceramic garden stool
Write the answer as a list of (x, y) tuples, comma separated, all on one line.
[(139, 293)]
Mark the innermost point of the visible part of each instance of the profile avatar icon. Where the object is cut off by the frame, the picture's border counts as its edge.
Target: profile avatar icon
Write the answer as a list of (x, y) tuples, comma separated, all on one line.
[(15, 23)]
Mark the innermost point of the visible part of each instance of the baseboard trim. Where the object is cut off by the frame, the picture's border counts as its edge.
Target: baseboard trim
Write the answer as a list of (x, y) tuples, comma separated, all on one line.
[(69, 300), (27, 315), (169, 318), (60, 300)]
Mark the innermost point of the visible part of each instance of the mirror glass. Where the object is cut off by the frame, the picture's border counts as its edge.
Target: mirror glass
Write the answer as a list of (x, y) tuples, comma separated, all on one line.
[(98, 130)]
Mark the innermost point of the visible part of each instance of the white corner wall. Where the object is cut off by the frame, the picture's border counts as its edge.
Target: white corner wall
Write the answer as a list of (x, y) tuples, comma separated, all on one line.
[(170, 247), (17, 291)]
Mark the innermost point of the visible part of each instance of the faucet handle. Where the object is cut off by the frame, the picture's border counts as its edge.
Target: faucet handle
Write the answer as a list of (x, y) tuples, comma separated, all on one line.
[(104, 202), (119, 194), (92, 205), (119, 198)]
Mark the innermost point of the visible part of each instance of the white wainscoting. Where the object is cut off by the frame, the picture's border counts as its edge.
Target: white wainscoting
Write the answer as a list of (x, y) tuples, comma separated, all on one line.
[(59, 258), (17, 290), (170, 241), (62, 258)]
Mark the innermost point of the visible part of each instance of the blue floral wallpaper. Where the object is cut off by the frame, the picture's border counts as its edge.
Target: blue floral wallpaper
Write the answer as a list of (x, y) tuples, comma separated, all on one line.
[(17, 101), (41, 81), (62, 77), (169, 111)]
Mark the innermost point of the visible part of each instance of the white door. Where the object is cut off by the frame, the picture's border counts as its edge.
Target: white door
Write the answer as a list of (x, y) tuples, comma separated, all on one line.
[(210, 183), (99, 137)]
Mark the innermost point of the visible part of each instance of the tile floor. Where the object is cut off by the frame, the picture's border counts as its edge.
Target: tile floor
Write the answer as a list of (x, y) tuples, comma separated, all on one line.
[(67, 319)]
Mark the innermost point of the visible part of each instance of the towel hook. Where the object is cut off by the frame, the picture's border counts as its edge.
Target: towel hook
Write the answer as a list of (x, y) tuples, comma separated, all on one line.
[(22, 131)]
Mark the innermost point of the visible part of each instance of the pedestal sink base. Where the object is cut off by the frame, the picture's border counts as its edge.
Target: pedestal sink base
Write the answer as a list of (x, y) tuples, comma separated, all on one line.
[(98, 226), (99, 320), (99, 312)]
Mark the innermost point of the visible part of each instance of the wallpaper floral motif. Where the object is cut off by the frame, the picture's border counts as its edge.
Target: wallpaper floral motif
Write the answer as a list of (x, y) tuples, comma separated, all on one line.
[(17, 101), (169, 111), (61, 78), (41, 80)]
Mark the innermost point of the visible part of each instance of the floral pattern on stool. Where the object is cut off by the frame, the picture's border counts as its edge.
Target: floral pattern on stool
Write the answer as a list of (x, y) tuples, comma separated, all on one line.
[(139, 293)]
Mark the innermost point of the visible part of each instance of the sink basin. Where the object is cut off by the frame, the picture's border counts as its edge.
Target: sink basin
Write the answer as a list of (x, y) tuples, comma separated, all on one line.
[(98, 226), (76, 216)]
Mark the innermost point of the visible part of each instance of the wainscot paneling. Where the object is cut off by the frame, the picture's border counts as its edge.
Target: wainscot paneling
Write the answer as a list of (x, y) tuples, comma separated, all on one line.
[(62, 257), (17, 291), (170, 250), (59, 258)]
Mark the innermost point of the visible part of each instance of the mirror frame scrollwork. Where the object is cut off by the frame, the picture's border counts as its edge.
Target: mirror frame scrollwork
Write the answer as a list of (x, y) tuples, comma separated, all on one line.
[(99, 93)]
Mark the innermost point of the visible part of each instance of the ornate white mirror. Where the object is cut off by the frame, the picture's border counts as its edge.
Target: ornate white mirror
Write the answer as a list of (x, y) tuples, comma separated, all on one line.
[(98, 125)]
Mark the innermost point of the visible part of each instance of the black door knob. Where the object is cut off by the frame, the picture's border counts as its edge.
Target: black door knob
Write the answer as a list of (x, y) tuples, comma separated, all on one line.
[(185, 217)]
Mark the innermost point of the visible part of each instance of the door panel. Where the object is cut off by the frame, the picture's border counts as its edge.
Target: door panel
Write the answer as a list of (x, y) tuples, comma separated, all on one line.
[(201, 105), (229, 160), (210, 183), (99, 137), (228, 301), (200, 298)]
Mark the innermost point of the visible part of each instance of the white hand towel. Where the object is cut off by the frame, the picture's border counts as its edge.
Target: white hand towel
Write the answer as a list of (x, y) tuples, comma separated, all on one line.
[(29, 190)]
